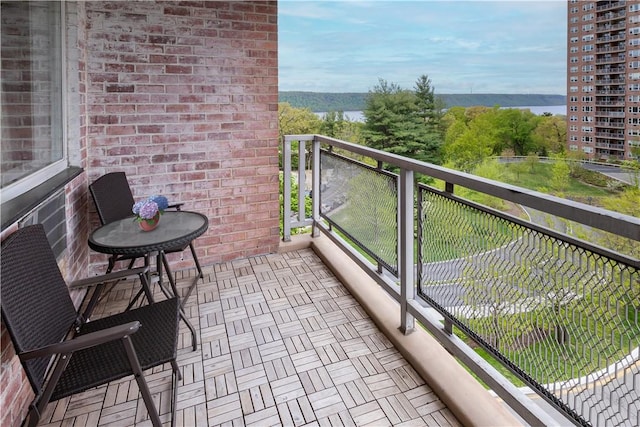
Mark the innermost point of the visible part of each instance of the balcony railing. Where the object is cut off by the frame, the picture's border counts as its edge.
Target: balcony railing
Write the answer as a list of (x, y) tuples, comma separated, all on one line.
[(561, 313)]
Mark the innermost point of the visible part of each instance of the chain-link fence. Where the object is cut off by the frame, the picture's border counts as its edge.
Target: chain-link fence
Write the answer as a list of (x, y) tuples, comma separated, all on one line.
[(361, 202), (562, 314)]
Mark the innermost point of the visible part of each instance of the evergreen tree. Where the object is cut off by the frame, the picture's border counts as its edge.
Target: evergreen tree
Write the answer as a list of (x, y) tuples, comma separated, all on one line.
[(395, 122)]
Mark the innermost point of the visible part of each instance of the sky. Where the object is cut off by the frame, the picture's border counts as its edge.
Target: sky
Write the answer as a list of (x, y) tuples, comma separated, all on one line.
[(477, 46)]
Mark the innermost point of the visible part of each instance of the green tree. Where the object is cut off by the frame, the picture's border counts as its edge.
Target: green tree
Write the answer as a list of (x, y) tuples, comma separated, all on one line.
[(296, 121), (466, 148), (550, 135), (394, 123), (336, 125), (514, 128), (560, 173)]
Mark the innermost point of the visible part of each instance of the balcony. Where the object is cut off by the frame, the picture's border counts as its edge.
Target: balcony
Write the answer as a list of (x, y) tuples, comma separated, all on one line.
[(282, 341), (322, 333), (561, 313)]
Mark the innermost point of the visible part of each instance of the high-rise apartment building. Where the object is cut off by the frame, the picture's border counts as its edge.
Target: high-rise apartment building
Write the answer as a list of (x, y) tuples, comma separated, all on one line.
[(603, 78)]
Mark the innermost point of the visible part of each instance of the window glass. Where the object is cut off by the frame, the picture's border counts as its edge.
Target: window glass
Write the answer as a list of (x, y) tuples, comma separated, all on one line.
[(31, 95)]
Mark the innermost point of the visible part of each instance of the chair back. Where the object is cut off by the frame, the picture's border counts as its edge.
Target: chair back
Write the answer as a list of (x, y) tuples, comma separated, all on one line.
[(36, 306), (112, 197)]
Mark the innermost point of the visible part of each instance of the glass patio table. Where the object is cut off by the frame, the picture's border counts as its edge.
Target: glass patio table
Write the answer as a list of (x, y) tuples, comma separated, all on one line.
[(125, 237)]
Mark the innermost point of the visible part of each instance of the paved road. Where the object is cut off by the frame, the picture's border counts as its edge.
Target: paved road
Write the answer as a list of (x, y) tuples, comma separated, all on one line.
[(614, 172)]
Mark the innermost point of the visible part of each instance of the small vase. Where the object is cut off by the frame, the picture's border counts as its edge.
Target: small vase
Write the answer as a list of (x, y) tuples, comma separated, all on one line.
[(150, 224)]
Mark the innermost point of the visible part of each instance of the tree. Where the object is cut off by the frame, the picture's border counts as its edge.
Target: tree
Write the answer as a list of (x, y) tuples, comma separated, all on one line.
[(394, 123), (296, 121), (473, 144), (515, 128), (336, 125), (550, 135), (560, 173)]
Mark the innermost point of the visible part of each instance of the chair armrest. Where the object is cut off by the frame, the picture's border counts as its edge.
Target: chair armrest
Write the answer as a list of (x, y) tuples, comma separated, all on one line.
[(83, 341), (175, 206), (90, 281)]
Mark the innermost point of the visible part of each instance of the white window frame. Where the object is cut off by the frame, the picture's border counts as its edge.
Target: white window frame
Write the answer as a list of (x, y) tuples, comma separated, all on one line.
[(45, 173)]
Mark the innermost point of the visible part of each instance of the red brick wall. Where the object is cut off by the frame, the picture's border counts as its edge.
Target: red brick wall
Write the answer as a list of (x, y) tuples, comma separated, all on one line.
[(183, 98)]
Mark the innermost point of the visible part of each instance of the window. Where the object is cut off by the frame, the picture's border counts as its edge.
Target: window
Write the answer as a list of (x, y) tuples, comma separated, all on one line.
[(634, 64), (574, 29), (587, 99), (573, 69), (31, 95), (587, 119), (573, 108), (587, 58), (587, 27), (587, 129), (587, 139), (587, 78), (574, 49), (588, 6), (634, 87), (634, 7), (573, 128), (587, 68), (587, 150), (634, 42), (634, 98), (573, 99), (634, 53), (587, 88), (587, 108), (587, 38), (573, 119), (634, 110), (573, 79), (573, 89), (634, 30), (573, 10), (573, 59), (588, 17), (573, 147)]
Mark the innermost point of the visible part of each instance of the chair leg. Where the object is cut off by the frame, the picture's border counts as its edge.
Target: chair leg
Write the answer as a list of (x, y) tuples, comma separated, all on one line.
[(176, 376), (142, 383)]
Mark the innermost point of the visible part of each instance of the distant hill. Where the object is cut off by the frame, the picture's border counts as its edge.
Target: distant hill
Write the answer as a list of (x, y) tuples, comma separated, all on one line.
[(355, 101)]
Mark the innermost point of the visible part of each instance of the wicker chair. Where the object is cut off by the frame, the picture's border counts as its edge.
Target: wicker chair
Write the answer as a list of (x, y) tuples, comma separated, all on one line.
[(61, 353), (113, 201)]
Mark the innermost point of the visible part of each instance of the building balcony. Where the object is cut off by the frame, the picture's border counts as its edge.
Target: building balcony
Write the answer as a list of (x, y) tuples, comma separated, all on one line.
[(609, 124), (611, 5), (475, 275), (282, 341), (611, 38), (611, 27), (611, 16), (609, 145), (610, 135)]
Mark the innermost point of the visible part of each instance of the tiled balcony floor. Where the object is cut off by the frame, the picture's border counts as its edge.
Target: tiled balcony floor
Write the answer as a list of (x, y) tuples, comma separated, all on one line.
[(281, 342)]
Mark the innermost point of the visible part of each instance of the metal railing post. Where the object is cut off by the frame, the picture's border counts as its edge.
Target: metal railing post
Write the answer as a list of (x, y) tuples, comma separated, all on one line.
[(286, 189), (302, 167), (405, 243), (315, 185)]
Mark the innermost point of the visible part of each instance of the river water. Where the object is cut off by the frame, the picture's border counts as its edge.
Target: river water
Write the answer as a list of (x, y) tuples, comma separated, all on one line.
[(358, 116)]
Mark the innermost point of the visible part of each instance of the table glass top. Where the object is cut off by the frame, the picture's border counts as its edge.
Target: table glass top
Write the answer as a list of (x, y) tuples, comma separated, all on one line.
[(126, 234)]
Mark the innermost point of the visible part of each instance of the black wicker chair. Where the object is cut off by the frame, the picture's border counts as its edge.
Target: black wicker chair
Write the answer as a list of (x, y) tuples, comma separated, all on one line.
[(113, 200), (60, 352)]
